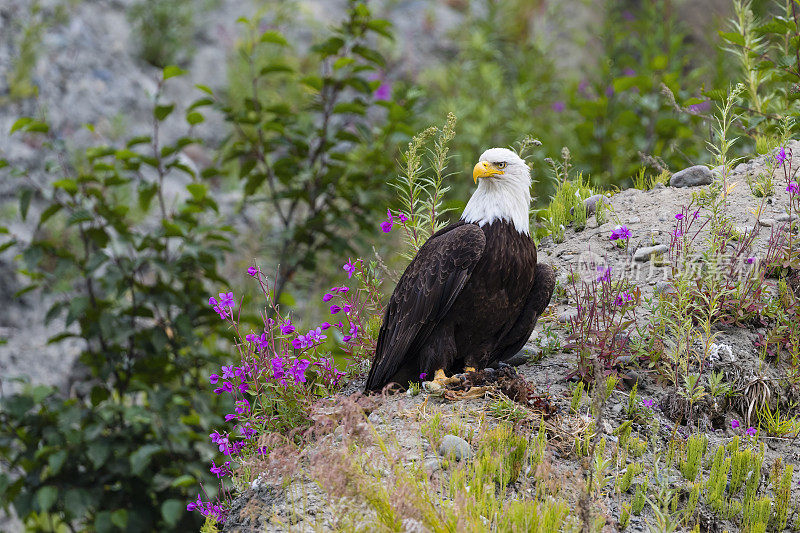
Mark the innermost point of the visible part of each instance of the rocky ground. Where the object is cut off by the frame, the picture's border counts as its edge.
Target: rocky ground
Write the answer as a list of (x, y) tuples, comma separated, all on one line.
[(303, 504)]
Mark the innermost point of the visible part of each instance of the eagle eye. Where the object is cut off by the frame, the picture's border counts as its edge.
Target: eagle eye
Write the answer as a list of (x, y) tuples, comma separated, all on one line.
[(501, 165)]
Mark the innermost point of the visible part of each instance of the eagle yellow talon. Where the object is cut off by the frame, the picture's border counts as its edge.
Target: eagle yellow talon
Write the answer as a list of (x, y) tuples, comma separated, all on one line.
[(440, 381)]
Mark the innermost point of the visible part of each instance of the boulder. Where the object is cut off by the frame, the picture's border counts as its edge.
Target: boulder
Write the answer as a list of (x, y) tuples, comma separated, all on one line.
[(692, 177)]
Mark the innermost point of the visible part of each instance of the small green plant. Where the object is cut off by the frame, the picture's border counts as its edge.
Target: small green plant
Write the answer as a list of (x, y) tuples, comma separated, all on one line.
[(781, 479), (639, 499), (505, 409), (695, 451), (777, 425), (577, 395)]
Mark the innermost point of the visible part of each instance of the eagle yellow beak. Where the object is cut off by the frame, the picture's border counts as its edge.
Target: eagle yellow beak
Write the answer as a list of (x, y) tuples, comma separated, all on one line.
[(484, 169)]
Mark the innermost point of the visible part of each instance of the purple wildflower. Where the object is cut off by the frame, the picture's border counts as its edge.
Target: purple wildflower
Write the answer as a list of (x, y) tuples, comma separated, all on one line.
[(324, 326), (679, 216), (298, 370), (327, 297), (252, 271), (734, 424), (793, 187), (226, 300), (263, 341), (605, 273), (335, 309), (559, 106), (781, 157), (750, 260), (287, 327), (387, 226), (620, 232), (402, 217), (751, 431), (648, 403), (422, 376), (349, 267), (228, 372), (213, 378), (628, 72), (383, 92), (300, 342)]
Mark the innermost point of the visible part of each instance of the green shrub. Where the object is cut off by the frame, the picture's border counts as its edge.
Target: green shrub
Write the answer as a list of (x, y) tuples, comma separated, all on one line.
[(312, 142), (132, 266), (165, 29)]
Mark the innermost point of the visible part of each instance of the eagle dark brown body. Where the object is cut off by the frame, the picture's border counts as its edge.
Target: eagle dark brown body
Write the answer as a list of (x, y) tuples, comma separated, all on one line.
[(470, 298)]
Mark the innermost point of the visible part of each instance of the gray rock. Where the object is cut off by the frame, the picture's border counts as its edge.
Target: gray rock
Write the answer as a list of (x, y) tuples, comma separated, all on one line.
[(766, 222), (566, 316), (643, 254), (692, 177), (741, 168), (432, 465), (634, 220), (664, 286), (455, 448), (784, 217), (591, 203)]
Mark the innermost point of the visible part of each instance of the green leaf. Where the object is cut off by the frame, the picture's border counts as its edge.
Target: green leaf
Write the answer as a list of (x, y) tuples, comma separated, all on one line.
[(381, 26), (369, 54), (120, 518), (69, 185), (99, 395), (162, 111), (732, 37), (46, 497), (206, 89), (76, 501), (25, 202), (19, 124), (315, 82), (172, 510), (80, 215), (193, 117), (329, 47), (183, 481), (140, 459), (146, 193), (197, 190), (273, 68), (97, 452), (56, 461), (171, 71), (102, 522), (275, 37)]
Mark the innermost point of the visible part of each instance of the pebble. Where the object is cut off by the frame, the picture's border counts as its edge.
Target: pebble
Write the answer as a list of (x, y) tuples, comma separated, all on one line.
[(766, 222), (643, 254), (692, 177), (633, 220), (432, 465), (784, 217), (455, 447)]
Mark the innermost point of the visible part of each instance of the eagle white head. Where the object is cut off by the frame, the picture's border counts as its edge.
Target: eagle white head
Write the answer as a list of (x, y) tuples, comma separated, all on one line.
[(504, 190)]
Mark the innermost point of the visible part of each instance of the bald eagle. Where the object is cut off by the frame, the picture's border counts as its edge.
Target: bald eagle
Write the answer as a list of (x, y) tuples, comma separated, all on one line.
[(471, 296)]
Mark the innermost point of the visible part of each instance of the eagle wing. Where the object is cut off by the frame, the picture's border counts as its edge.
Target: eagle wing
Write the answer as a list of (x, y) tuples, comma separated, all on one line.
[(423, 296)]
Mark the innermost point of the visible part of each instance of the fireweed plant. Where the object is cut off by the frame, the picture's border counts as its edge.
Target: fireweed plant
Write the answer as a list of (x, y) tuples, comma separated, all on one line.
[(606, 314), (282, 371)]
